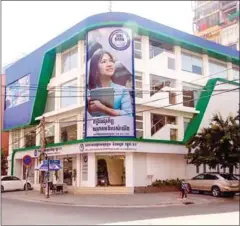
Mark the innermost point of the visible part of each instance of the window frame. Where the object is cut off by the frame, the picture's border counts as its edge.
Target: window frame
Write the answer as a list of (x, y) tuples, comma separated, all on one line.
[(69, 53)]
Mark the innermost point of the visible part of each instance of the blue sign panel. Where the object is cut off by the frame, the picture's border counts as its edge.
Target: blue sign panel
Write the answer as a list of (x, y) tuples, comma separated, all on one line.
[(27, 160)]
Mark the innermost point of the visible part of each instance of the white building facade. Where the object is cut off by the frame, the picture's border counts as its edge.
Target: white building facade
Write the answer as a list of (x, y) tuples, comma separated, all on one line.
[(169, 80)]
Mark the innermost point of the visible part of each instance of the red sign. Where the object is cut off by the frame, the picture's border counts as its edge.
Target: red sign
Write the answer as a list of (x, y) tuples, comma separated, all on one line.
[(27, 160)]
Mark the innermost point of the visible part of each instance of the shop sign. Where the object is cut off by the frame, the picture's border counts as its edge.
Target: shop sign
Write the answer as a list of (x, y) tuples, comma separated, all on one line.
[(108, 146), (48, 151)]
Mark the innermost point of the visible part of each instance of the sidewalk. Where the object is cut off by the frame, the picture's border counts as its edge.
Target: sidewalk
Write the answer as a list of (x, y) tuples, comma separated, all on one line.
[(132, 200)]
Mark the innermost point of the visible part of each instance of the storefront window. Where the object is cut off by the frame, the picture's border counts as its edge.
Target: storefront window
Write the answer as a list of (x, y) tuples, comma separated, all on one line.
[(67, 170), (68, 129)]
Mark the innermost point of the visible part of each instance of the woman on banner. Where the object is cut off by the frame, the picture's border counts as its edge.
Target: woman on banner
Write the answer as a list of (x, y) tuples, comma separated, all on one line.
[(110, 99)]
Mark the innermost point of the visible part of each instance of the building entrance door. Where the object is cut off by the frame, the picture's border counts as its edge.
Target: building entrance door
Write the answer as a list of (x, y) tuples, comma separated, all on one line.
[(111, 170)]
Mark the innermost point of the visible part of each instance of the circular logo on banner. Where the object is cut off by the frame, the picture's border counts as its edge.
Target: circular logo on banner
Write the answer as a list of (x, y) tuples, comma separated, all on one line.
[(85, 158), (81, 147), (119, 40)]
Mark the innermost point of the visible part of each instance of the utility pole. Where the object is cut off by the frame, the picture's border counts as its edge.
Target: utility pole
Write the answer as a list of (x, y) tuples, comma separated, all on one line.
[(42, 154)]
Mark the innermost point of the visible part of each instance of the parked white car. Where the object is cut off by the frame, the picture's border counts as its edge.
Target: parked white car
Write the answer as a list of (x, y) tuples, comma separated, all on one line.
[(11, 183)]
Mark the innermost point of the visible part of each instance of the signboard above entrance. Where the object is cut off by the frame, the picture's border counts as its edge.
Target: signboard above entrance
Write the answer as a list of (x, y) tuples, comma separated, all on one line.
[(109, 146)]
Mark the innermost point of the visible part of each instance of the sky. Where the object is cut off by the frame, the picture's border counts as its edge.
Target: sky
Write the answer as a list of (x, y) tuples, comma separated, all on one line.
[(27, 25)]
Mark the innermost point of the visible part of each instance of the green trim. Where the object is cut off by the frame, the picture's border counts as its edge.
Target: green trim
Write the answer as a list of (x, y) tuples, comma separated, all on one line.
[(44, 78), (92, 140), (202, 104), (234, 15)]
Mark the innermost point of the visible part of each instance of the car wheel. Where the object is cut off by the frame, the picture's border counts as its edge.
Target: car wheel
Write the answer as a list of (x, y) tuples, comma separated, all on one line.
[(216, 191), (2, 188), (27, 186)]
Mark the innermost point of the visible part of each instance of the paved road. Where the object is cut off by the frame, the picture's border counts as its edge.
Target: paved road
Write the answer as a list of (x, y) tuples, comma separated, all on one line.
[(16, 212)]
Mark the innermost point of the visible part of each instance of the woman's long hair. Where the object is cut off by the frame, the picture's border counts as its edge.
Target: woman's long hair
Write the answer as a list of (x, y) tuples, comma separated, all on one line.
[(94, 80)]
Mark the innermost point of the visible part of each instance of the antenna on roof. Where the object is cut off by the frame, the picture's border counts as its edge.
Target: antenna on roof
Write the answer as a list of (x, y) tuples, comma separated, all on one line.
[(110, 6)]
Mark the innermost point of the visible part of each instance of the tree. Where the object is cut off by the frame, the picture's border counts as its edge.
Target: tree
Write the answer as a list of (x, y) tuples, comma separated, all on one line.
[(219, 144), (4, 166)]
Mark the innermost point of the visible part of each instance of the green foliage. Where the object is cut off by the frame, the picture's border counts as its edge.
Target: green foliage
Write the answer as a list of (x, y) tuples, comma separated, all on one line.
[(217, 144), (4, 166), (171, 182)]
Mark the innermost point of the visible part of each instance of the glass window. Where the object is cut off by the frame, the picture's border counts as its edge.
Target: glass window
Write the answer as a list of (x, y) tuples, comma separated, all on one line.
[(186, 122), (30, 137), (68, 129), (199, 177), (138, 48), (192, 63), (191, 96), (171, 63), (54, 71), (173, 134), (69, 93), (217, 70), (139, 125), (49, 134), (210, 177), (158, 47), (138, 85), (16, 139), (69, 60), (235, 73), (158, 82), (228, 177), (50, 104)]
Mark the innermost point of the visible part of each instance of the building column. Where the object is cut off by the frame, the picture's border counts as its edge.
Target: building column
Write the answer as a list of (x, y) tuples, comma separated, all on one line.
[(38, 136), (229, 72), (79, 127), (129, 169), (22, 141), (78, 170), (180, 124), (146, 123), (57, 135), (92, 170)]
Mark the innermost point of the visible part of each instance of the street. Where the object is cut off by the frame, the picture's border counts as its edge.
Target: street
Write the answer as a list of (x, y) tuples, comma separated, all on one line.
[(16, 212)]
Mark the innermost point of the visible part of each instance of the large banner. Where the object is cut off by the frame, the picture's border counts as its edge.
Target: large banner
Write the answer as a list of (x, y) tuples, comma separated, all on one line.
[(110, 99)]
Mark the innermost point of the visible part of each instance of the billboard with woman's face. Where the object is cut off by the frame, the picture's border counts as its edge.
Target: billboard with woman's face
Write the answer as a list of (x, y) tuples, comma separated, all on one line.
[(110, 103)]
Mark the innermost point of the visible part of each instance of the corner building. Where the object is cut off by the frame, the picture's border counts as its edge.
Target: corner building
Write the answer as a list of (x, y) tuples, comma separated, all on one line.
[(172, 68)]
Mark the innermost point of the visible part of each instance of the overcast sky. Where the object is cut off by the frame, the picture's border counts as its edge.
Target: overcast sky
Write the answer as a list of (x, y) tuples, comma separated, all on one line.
[(27, 25)]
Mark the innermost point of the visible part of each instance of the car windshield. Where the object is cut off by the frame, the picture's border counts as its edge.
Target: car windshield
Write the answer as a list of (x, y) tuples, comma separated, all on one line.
[(228, 177)]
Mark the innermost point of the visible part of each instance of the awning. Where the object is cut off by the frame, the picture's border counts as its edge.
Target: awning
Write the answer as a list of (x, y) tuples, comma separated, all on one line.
[(53, 166)]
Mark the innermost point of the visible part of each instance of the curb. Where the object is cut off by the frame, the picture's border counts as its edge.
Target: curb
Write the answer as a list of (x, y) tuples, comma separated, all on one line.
[(96, 206)]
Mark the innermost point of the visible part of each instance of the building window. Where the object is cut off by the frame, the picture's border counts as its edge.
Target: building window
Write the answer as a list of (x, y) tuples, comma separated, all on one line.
[(138, 85), (171, 63), (138, 47), (30, 137), (54, 71), (15, 139), (158, 47), (217, 70), (50, 104), (172, 98), (186, 122), (158, 121), (235, 73), (49, 134), (139, 125), (173, 134), (68, 129), (69, 59), (190, 96), (192, 64), (69, 93), (157, 83)]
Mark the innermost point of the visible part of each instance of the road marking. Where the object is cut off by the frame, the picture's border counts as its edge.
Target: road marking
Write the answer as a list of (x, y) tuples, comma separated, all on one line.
[(231, 218)]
